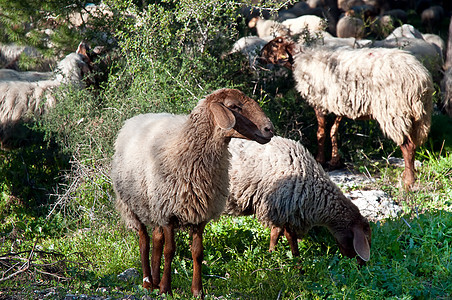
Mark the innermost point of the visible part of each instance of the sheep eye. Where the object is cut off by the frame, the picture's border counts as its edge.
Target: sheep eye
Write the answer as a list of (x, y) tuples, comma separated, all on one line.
[(234, 107)]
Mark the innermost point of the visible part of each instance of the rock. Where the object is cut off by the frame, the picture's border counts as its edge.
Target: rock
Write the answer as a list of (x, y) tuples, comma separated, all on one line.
[(374, 204), (346, 179), (129, 274)]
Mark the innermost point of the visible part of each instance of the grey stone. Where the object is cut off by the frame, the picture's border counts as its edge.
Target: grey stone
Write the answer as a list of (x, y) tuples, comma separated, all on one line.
[(129, 274)]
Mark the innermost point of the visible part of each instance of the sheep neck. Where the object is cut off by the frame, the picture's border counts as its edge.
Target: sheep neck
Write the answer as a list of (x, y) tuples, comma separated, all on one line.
[(337, 213), (197, 162), (199, 144)]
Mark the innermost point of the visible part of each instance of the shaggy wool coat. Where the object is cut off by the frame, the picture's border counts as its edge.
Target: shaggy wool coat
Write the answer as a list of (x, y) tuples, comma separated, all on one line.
[(156, 176), (388, 85), (282, 185)]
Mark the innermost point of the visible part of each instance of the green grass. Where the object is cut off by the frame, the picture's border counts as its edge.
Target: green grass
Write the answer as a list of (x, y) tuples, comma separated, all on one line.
[(411, 256), (75, 242)]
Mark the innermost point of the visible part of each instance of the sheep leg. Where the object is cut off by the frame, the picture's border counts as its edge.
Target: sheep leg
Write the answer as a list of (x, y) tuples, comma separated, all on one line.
[(335, 156), (292, 239), (144, 242), (275, 233), (408, 149), (321, 123), (197, 252), (168, 252), (157, 250)]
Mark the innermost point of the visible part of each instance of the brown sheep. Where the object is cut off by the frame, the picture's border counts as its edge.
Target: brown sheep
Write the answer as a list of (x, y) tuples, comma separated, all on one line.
[(171, 171)]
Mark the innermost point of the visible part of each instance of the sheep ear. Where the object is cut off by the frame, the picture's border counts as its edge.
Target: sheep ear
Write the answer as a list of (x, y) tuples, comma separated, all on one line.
[(223, 116), (360, 243), (252, 22), (83, 49)]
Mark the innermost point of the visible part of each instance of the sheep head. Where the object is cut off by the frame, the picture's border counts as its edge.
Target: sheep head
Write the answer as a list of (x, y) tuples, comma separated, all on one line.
[(252, 23), (279, 51), (354, 240), (240, 116), (86, 65)]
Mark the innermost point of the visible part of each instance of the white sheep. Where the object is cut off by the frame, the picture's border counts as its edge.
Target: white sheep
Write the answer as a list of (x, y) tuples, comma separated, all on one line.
[(26, 94), (313, 24), (406, 30), (350, 27), (250, 46), (436, 41), (266, 28), (330, 41), (388, 85), (282, 185), (171, 171)]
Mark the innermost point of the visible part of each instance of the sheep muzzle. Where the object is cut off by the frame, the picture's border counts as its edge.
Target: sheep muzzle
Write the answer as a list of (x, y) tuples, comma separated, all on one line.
[(240, 115), (278, 51)]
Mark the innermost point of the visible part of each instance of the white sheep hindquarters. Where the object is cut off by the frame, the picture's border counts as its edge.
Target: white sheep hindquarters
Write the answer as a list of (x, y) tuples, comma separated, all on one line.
[(388, 85), (287, 190), (171, 171), (24, 95)]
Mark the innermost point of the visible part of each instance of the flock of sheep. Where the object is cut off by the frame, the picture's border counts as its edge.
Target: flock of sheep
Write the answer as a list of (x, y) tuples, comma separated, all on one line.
[(181, 171), (338, 71)]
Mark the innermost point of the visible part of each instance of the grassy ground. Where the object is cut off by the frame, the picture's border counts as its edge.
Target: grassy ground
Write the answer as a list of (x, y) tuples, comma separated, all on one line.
[(79, 248)]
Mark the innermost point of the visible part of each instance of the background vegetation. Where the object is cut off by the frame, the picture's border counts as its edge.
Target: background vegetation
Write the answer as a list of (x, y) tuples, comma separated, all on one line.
[(60, 236)]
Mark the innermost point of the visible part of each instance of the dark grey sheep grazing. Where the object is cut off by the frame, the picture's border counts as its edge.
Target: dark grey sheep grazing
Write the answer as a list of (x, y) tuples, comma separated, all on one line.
[(287, 190)]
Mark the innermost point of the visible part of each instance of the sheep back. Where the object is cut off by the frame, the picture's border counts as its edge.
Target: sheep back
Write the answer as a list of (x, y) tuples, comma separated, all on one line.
[(281, 183), (388, 85), (20, 101), (157, 177), (428, 54), (313, 24), (24, 95), (72, 69), (266, 28), (12, 75)]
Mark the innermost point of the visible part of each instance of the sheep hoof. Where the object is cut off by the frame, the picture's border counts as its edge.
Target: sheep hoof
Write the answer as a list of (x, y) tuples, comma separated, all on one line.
[(198, 294), (408, 181), (147, 284)]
